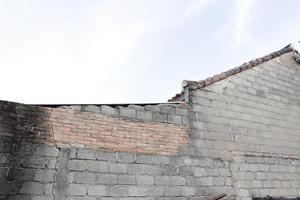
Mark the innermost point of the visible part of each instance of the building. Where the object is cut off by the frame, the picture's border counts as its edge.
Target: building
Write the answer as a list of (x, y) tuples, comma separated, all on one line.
[(236, 133)]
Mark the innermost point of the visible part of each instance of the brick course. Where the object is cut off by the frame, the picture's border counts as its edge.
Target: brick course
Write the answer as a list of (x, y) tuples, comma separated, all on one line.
[(94, 130)]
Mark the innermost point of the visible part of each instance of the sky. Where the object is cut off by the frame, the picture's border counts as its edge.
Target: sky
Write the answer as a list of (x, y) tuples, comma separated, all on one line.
[(131, 51)]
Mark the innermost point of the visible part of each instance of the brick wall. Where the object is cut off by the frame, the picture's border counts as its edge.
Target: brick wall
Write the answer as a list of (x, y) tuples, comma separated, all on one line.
[(160, 129), (252, 119)]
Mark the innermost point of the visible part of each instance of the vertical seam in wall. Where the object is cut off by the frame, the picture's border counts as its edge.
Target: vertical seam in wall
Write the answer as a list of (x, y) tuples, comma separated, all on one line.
[(59, 154), (55, 174)]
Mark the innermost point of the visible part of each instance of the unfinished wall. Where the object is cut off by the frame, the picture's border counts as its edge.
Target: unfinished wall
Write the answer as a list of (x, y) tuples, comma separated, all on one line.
[(92, 152), (252, 119)]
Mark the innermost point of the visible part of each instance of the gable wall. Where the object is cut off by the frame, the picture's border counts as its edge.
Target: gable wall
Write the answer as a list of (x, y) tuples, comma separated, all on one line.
[(252, 119)]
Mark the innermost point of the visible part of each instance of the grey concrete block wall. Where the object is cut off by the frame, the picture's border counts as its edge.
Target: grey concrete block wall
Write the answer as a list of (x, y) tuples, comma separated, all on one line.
[(69, 175), (135, 176), (31, 176), (255, 113)]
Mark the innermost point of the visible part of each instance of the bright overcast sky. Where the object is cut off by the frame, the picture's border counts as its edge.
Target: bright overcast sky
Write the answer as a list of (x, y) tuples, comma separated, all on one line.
[(119, 51)]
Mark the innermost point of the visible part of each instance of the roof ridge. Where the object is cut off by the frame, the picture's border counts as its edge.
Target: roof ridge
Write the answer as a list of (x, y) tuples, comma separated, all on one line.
[(230, 72)]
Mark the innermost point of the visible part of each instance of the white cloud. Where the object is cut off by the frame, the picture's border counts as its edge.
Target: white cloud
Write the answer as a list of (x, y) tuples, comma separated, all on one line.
[(242, 18)]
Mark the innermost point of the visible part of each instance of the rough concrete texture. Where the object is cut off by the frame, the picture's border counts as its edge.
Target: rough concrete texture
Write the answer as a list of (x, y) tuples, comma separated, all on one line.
[(252, 119), (239, 136)]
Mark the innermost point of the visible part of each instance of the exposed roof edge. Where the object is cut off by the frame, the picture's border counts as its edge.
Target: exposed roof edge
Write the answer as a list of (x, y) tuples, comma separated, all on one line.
[(218, 77)]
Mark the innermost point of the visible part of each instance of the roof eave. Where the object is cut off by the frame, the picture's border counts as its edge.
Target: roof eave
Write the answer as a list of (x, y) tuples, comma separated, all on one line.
[(188, 84)]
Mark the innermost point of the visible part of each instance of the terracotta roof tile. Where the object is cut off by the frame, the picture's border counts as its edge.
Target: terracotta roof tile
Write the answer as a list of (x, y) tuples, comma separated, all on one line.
[(230, 72)]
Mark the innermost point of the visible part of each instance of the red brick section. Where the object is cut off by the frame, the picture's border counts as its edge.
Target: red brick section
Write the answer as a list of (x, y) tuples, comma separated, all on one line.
[(231, 72), (94, 130)]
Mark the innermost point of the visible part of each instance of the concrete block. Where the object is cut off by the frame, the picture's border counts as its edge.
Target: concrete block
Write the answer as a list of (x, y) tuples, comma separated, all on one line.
[(118, 168), (154, 191), (45, 176), (75, 108), (174, 119), (170, 170), (162, 180), (9, 188), (108, 179), (172, 191), (164, 160), (117, 191), (137, 169), (261, 176), (153, 108), (97, 166), (224, 172), (126, 180), (109, 110), (182, 111), (145, 180), (169, 109), (38, 197), (85, 177), (127, 112), (97, 190), (126, 157), (160, 117), (134, 191), (77, 165), (177, 180), (186, 170), (44, 150), (92, 108), (107, 156), (32, 188), (212, 172), (199, 172), (188, 191), (207, 181), (37, 163), (137, 107), (144, 159), (78, 189), (86, 154), (144, 115), (18, 174), (153, 170), (219, 181)]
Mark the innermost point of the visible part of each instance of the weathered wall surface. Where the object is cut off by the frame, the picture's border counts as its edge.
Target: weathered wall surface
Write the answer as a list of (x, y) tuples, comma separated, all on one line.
[(153, 130), (60, 153), (252, 119)]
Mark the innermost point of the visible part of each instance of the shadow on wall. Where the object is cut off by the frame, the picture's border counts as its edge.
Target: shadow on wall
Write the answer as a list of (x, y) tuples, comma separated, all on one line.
[(20, 127)]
